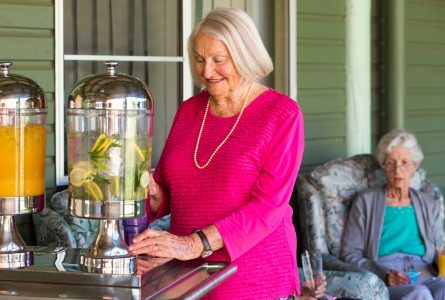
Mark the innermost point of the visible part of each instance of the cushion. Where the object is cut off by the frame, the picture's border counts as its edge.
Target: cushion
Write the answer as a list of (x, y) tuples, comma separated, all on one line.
[(52, 231)]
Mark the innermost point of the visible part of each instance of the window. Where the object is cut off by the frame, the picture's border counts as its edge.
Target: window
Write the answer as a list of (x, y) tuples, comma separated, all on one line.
[(147, 38)]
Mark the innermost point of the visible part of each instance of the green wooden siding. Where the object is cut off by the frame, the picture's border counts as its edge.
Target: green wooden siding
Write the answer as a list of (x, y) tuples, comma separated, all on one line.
[(425, 82), (378, 72), (321, 78)]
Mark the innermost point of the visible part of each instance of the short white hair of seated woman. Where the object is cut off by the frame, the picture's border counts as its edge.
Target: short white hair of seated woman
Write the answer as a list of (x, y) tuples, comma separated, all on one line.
[(399, 138), (237, 31)]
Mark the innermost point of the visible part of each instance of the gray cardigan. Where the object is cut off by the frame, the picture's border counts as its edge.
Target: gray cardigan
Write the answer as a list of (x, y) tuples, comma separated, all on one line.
[(361, 237)]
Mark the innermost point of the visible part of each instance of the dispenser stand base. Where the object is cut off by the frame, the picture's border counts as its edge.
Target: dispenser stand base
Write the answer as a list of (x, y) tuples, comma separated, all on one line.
[(13, 251), (14, 260), (108, 253), (56, 274), (124, 265)]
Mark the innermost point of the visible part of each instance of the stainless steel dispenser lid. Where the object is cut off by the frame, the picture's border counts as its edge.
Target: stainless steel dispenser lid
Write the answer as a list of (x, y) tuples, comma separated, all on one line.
[(19, 92), (111, 91)]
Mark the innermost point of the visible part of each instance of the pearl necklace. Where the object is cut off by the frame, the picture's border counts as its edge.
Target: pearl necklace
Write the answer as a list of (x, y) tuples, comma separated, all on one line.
[(227, 136)]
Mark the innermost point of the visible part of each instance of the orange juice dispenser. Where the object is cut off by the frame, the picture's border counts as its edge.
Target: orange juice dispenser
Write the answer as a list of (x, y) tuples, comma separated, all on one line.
[(110, 125), (22, 161)]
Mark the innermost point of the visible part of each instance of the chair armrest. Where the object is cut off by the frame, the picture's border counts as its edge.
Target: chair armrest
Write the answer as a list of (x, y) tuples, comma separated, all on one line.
[(332, 263), (51, 230), (356, 285), (350, 281), (310, 216), (162, 224)]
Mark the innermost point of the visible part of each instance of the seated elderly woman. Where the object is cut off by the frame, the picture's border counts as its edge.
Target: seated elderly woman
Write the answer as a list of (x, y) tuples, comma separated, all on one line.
[(394, 231)]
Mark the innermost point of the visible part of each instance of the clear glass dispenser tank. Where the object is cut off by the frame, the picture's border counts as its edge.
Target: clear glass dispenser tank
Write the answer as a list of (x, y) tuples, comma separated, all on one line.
[(110, 129)]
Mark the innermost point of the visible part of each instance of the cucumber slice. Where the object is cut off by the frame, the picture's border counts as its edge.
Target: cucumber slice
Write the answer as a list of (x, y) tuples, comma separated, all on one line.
[(144, 180)]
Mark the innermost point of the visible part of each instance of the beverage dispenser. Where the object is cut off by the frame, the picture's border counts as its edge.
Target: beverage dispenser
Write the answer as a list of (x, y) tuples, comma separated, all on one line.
[(109, 129), (22, 161)]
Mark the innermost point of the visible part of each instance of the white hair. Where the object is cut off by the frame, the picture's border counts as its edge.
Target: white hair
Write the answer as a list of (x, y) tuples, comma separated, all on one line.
[(399, 138), (237, 31)]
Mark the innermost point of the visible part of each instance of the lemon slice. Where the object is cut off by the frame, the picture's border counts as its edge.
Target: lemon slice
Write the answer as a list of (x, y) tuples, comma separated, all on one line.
[(87, 166), (93, 190), (145, 179), (77, 176), (114, 186)]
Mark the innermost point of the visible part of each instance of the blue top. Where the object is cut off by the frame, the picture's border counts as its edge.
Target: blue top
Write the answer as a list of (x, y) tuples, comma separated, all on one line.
[(400, 232)]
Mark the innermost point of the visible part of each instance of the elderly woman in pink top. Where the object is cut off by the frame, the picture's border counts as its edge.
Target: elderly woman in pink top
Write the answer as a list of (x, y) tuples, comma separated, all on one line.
[(229, 166)]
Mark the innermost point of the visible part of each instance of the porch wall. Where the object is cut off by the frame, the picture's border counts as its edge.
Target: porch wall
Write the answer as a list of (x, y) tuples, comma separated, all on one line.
[(321, 78), (425, 82)]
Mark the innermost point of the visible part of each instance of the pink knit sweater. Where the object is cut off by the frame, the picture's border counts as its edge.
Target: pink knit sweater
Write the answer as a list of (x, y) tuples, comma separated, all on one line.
[(244, 191)]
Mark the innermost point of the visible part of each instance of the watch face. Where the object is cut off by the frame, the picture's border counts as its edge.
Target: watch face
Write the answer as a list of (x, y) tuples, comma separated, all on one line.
[(206, 253)]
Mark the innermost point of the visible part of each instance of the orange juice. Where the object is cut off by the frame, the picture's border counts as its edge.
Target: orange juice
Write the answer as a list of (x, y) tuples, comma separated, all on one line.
[(22, 160), (441, 264)]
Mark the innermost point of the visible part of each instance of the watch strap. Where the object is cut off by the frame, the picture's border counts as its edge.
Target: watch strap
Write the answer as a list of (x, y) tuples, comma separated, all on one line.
[(207, 248)]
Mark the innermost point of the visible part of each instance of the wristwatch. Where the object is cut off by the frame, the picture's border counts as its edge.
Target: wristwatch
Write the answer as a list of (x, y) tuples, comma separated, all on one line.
[(207, 249)]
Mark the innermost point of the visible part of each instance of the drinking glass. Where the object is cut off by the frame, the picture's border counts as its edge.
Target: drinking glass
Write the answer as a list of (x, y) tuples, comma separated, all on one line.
[(441, 262), (409, 269), (312, 270)]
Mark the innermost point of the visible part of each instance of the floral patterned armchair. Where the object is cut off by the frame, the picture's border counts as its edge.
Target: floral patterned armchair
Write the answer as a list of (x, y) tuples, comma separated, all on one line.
[(322, 200)]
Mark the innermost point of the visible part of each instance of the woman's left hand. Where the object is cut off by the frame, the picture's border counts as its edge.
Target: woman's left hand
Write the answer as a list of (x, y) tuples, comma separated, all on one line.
[(164, 244)]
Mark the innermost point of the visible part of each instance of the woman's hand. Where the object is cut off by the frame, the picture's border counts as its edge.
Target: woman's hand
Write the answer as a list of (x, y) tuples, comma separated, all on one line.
[(155, 195), (320, 290), (394, 278), (164, 244)]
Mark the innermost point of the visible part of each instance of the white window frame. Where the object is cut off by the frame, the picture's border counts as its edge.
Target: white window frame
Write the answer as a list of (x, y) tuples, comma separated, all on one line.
[(292, 30), (61, 57)]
